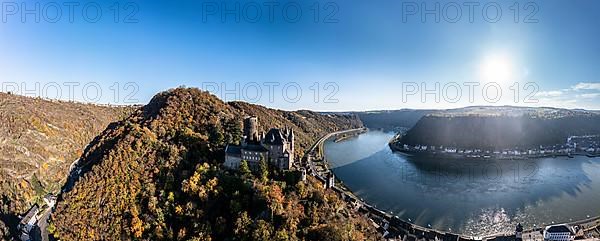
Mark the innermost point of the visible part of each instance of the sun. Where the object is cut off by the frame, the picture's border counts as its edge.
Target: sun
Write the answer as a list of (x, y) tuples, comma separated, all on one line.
[(496, 68)]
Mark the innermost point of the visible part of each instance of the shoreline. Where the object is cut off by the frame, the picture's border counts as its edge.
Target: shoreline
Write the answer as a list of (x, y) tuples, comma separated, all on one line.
[(392, 225), (394, 147), (405, 228)]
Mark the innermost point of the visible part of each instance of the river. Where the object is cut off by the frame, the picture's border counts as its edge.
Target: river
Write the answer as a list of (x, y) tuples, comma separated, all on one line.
[(470, 196)]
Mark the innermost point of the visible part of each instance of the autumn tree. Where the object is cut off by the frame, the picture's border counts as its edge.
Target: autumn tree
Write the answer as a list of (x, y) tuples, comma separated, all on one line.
[(158, 176), (242, 226), (263, 231)]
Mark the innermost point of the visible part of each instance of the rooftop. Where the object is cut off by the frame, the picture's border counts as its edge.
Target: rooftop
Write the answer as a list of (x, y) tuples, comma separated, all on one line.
[(30, 214), (233, 150), (254, 147), (276, 136), (561, 228)]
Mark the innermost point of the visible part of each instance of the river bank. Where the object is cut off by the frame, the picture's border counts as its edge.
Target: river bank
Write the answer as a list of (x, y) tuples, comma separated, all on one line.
[(506, 155), (346, 136), (391, 227), (392, 184)]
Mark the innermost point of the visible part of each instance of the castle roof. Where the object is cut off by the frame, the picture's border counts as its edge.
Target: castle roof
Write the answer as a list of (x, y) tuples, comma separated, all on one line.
[(233, 150), (274, 137), (30, 214), (257, 148)]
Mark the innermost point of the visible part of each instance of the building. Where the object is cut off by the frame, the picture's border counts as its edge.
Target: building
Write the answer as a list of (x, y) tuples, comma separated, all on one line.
[(519, 232), (560, 232), (50, 200), (276, 147), (303, 174), (280, 146), (28, 222), (330, 182)]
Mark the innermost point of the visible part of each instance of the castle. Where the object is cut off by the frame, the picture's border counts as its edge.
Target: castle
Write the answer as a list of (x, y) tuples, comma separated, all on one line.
[(276, 147)]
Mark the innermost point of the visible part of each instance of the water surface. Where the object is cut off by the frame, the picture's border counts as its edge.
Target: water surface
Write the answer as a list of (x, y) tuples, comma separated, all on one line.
[(470, 196)]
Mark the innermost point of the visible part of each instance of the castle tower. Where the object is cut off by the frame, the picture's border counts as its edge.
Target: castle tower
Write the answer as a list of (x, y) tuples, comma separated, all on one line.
[(291, 140), (251, 129)]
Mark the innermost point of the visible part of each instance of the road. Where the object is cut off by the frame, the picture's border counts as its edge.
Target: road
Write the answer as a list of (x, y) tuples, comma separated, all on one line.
[(591, 225), (325, 137), (41, 232), (311, 165)]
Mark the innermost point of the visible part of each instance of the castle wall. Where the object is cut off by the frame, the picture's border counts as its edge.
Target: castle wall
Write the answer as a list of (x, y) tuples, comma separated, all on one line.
[(275, 153), (232, 161)]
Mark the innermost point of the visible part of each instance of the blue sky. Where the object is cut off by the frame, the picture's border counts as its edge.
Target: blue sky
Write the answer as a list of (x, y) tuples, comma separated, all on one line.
[(363, 55)]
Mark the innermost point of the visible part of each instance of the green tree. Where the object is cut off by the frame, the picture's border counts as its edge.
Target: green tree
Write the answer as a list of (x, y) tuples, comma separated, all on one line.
[(281, 235), (51, 228), (264, 170), (263, 231), (233, 131), (244, 169), (201, 238), (326, 233), (242, 225)]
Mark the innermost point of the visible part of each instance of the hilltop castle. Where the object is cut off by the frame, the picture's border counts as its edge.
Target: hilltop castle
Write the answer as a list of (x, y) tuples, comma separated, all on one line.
[(276, 147)]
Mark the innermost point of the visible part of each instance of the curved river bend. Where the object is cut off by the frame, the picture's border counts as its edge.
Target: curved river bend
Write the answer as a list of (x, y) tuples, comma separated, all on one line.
[(473, 197)]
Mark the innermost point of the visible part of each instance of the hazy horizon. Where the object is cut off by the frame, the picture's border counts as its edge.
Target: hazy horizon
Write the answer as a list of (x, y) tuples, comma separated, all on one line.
[(322, 111), (348, 55)]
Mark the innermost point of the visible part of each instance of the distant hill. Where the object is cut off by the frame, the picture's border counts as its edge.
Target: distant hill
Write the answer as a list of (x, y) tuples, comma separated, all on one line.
[(501, 127), (158, 176), (390, 120), (39, 139), (308, 125)]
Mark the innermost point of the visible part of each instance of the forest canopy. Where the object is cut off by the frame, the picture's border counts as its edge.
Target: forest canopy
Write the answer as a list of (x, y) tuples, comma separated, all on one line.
[(158, 176)]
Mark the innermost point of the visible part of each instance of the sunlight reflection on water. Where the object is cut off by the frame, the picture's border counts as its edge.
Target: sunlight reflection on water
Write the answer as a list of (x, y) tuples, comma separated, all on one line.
[(475, 197)]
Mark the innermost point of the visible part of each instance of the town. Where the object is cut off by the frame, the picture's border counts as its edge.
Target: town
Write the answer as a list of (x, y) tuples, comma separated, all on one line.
[(255, 147), (588, 145), (277, 148), (394, 228)]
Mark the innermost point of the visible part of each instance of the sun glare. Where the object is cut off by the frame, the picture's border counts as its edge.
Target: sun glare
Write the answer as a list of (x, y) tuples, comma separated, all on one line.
[(496, 68)]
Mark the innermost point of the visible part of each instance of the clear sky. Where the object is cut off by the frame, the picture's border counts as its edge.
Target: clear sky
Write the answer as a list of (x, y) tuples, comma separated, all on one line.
[(363, 55)]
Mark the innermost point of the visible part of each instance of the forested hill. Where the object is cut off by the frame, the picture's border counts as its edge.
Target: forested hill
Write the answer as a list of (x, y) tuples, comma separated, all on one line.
[(389, 120), (158, 176), (39, 139), (501, 127), (307, 125)]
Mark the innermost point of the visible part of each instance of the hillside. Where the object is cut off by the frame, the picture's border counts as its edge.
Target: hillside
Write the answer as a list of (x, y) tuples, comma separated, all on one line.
[(307, 124), (501, 127), (389, 120), (157, 176), (39, 139)]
